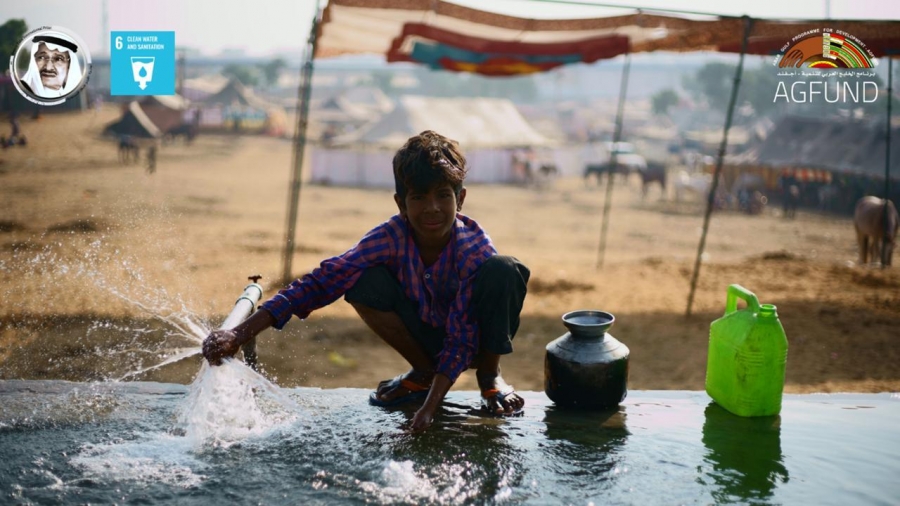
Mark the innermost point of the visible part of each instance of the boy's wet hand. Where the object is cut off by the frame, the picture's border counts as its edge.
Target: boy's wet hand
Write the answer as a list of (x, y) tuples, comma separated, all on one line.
[(220, 344), (421, 420)]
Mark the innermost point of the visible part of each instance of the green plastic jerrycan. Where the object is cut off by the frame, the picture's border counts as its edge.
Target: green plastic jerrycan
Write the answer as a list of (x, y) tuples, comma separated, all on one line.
[(747, 357)]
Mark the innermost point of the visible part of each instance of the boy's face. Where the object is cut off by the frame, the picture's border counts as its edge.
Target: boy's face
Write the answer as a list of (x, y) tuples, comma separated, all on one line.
[(431, 214)]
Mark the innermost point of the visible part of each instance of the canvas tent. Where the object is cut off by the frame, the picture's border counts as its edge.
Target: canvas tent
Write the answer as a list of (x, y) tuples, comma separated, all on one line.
[(454, 37), (198, 89), (350, 109), (834, 161), (489, 129), (134, 123), (236, 108), (842, 146), (166, 111)]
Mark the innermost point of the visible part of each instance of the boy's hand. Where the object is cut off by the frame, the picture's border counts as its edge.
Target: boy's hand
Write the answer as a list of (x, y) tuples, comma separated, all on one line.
[(225, 343), (220, 344), (425, 415), (421, 420)]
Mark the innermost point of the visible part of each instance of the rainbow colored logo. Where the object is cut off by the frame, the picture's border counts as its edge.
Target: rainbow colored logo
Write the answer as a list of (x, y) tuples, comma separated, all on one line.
[(826, 49)]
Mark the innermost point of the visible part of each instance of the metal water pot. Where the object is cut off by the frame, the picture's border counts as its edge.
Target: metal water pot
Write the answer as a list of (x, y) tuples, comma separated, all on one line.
[(586, 367)]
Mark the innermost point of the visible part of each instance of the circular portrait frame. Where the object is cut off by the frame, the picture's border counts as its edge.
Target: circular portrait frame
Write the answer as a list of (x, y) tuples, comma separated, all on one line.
[(39, 82)]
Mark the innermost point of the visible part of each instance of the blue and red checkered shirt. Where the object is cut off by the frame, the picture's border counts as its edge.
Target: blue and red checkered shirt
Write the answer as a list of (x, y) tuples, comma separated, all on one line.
[(443, 291)]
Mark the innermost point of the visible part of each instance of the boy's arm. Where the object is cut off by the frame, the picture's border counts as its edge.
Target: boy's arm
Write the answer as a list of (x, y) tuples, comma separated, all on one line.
[(459, 348), (331, 279)]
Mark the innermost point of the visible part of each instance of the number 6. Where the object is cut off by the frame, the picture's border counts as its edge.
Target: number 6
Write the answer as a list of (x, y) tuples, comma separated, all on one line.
[(119, 42)]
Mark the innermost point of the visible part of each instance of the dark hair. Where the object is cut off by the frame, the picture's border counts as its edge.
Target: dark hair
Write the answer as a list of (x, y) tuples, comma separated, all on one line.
[(428, 160)]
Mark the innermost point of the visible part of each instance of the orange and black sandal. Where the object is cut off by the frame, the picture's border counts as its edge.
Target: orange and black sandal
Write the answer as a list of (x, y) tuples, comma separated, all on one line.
[(492, 393), (417, 391)]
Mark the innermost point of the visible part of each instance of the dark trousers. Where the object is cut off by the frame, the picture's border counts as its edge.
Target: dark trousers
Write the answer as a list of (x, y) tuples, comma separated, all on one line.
[(497, 297)]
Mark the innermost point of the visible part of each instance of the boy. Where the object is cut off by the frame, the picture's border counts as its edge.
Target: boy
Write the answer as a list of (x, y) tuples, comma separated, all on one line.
[(428, 281)]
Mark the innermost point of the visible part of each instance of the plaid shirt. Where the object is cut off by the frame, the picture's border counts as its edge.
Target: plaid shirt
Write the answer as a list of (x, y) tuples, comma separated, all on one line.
[(443, 291)]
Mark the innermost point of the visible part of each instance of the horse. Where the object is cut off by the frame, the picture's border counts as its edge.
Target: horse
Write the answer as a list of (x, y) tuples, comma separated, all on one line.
[(652, 173), (871, 233), (186, 130), (128, 149), (548, 170)]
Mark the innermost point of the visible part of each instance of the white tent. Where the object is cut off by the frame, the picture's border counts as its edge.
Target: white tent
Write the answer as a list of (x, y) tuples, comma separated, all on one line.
[(488, 130)]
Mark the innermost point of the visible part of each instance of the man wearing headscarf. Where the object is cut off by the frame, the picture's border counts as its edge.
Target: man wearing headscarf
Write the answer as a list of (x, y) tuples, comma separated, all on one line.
[(53, 70)]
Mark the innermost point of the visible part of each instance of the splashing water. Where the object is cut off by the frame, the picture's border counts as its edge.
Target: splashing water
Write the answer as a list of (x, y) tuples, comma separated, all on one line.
[(231, 402), (107, 318), (159, 458), (226, 404)]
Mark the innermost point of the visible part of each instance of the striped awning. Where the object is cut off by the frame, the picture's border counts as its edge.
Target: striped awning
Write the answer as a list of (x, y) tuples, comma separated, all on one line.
[(448, 36)]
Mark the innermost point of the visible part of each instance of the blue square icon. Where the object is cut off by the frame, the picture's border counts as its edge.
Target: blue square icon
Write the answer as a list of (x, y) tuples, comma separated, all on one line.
[(142, 63)]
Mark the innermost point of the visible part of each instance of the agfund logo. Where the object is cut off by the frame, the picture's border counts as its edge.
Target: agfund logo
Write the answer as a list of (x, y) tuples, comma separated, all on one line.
[(826, 65)]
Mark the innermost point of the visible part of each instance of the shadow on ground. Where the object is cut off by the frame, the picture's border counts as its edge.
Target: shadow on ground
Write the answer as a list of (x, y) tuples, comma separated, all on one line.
[(831, 348)]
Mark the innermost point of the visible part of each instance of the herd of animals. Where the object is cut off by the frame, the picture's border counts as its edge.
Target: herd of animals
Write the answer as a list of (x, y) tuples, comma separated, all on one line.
[(129, 147), (875, 220)]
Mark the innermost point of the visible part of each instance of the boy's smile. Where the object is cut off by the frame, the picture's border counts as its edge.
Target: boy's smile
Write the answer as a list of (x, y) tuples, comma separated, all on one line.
[(431, 214)]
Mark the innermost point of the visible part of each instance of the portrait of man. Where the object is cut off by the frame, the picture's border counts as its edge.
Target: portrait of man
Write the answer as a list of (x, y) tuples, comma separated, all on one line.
[(53, 70)]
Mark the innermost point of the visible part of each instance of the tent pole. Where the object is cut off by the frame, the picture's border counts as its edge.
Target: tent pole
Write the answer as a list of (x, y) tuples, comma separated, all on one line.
[(748, 25), (613, 159), (887, 162), (303, 96)]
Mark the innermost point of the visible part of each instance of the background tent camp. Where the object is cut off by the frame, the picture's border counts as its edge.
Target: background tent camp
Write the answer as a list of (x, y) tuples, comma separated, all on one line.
[(134, 123), (491, 132), (834, 162), (236, 108), (348, 110), (443, 35), (150, 118)]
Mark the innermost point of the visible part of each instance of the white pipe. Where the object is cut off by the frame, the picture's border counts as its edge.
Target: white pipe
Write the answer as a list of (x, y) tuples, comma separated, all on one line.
[(243, 307)]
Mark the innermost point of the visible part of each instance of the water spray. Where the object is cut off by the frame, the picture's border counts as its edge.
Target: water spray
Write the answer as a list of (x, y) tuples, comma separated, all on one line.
[(230, 402)]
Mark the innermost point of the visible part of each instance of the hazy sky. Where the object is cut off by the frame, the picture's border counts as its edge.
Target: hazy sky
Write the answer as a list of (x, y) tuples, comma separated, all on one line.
[(270, 26)]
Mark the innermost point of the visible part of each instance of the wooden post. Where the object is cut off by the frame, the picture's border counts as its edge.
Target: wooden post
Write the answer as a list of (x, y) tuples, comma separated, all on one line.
[(303, 96), (887, 163), (748, 26), (613, 159)]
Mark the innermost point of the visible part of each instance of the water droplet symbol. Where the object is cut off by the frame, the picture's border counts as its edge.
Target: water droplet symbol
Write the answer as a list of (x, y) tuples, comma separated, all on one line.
[(143, 72)]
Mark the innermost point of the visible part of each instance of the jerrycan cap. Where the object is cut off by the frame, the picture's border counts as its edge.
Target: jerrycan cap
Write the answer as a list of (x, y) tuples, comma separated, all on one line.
[(768, 311)]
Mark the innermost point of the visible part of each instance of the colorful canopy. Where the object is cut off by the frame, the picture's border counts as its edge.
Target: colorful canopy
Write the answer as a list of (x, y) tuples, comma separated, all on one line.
[(447, 36)]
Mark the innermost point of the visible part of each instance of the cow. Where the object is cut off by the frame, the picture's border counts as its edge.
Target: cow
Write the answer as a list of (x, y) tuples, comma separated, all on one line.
[(872, 234), (652, 173)]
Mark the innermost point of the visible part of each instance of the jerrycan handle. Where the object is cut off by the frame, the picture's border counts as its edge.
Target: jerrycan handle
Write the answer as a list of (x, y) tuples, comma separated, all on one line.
[(737, 291)]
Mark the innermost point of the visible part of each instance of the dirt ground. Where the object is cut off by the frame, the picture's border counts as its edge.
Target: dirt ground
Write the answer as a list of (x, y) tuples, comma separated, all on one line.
[(104, 267)]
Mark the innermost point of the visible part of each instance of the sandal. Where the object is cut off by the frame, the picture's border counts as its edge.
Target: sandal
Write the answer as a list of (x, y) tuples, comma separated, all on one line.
[(492, 393), (417, 391)]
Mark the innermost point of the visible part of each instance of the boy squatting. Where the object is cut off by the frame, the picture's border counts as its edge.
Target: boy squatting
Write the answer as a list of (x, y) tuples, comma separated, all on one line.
[(428, 281)]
